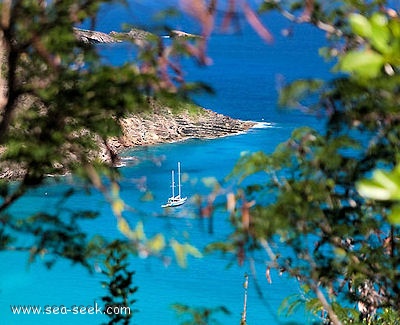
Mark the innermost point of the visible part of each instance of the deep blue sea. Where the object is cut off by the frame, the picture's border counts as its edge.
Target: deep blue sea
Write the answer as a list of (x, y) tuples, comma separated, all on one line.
[(245, 73)]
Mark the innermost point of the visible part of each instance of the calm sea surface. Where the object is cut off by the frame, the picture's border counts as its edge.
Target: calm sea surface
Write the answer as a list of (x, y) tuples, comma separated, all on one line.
[(244, 74)]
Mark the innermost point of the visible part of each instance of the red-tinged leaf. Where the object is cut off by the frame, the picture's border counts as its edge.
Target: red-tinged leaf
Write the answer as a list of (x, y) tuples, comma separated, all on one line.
[(245, 218), (229, 16), (205, 15), (255, 22), (309, 8), (241, 254), (199, 10), (246, 214), (164, 76), (207, 211), (230, 202), (198, 52)]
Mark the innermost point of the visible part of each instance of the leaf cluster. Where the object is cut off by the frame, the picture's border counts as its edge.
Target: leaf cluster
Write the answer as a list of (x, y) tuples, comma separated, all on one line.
[(344, 248), (199, 315), (119, 286), (60, 105)]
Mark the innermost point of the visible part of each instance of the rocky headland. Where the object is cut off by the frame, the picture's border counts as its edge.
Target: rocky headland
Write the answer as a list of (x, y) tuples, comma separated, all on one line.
[(163, 125), (135, 34), (159, 124), (154, 128)]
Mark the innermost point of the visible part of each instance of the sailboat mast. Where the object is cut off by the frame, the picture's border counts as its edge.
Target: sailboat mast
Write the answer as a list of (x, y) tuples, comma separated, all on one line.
[(173, 183), (179, 179)]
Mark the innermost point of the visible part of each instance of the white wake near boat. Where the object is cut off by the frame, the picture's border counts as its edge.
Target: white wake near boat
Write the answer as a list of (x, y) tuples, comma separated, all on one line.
[(175, 200)]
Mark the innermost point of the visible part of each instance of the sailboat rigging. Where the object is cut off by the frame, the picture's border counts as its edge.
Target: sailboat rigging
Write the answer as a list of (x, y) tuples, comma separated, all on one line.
[(175, 200)]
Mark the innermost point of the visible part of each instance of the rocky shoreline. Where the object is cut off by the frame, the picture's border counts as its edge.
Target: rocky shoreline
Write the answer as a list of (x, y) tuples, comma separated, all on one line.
[(135, 34), (153, 128), (161, 124)]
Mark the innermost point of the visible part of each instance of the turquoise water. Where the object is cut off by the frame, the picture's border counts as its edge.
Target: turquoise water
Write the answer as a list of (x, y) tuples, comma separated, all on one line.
[(244, 75), (205, 282)]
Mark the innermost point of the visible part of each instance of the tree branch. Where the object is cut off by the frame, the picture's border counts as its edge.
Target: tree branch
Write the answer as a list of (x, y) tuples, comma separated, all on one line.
[(13, 197)]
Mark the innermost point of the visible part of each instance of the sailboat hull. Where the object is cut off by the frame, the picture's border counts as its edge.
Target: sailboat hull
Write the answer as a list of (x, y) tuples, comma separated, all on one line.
[(174, 202), (177, 200)]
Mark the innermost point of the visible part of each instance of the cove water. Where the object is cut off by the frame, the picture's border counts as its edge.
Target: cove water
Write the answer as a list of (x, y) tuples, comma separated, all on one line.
[(244, 74)]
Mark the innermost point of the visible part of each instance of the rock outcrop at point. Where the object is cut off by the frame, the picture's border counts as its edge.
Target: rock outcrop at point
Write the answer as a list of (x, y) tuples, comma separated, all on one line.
[(150, 129)]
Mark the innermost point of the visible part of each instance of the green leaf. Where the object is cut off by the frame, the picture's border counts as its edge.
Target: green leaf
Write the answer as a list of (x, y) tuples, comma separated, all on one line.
[(182, 251), (290, 305), (365, 63), (386, 180), (210, 182), (190, 249), (394, 216), (360, 25), (380, 36), (249, 164), (118, 206), (394, 26), (147, 197), (298, 90), (383, 186), (373, 190), (157, 243), (139, 231), (123, 227)]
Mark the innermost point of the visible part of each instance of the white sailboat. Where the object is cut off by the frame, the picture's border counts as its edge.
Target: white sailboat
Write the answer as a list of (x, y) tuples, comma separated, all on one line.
[(175, 200)]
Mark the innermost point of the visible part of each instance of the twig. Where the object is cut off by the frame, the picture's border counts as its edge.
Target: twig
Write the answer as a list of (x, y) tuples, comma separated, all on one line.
[(244, 313)]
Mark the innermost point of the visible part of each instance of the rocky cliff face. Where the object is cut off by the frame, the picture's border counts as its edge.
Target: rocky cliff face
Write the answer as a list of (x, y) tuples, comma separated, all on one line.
[(135, 34), (157, 128), (150, 129), (93, 37)]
